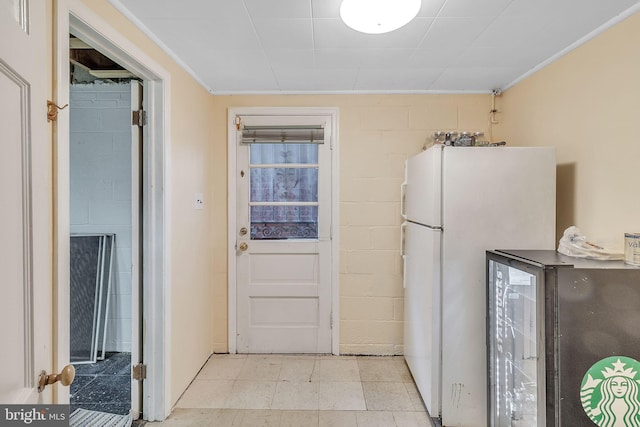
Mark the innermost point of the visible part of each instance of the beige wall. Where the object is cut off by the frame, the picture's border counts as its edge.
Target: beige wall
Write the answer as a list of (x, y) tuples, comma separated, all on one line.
[(586, 104), (191, 230), (376, 134)]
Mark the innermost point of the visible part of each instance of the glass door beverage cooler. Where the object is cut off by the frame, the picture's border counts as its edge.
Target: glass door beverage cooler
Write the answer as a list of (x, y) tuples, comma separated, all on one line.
[(563, 338)]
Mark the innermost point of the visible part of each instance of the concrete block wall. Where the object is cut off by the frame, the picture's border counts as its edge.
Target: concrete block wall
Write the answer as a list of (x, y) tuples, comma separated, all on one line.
[(100, 179), (377, 133), (375, 141)]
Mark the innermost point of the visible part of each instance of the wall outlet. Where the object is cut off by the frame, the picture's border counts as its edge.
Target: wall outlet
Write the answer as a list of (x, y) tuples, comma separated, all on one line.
[(199, 201)]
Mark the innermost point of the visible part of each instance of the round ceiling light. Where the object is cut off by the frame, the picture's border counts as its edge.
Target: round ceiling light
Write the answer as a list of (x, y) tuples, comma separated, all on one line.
[(378, 16)]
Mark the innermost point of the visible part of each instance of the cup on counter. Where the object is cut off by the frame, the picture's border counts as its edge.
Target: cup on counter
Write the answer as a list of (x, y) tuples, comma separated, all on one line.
[(632, 248)]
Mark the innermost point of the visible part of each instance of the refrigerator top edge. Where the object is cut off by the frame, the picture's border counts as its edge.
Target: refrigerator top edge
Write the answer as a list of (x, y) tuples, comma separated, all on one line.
[(450, 148), (486, 148), (455, 153)]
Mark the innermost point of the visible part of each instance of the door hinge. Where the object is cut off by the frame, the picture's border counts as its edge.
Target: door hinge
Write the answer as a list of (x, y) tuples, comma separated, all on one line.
[(139, 372), (238, 123), (331, 320), (139, 118)]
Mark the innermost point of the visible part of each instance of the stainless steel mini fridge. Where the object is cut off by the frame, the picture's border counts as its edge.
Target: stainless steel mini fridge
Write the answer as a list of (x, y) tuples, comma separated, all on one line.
[(563, 340)]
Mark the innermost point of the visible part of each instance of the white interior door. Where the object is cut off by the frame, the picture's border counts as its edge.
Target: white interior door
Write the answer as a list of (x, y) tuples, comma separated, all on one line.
[(26, 216), (136, 256), (283, 266)]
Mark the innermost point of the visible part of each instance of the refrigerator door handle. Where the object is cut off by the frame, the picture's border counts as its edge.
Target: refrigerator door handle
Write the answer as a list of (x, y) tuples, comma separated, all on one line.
[(403, 186), (403, 227), (404, 272)]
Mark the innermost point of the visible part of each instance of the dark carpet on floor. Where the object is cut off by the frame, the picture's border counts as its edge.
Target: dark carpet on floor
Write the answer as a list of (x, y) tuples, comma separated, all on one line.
[(103, 386)]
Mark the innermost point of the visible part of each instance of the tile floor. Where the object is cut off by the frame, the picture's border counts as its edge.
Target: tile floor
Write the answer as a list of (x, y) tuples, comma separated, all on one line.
[(300, 391)]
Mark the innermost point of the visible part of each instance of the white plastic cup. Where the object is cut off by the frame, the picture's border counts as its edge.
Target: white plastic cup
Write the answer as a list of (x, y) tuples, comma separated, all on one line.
[(632, 248)]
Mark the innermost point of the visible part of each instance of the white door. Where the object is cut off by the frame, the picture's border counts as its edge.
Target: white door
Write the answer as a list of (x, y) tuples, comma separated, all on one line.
[(26, 215), (136, 255), (283, 266)]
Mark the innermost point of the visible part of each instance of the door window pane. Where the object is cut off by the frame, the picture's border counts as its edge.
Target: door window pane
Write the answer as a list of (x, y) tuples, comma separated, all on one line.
[(283, 196), (267, 154), (284, 185), (284, 222)]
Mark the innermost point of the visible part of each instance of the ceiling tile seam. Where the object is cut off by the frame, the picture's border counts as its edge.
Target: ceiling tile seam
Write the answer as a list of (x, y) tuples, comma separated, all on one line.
[(310, 9), (480, 35), (355, 81), (415, 51), (432, 22), (313, 34), (155, 39), (504, 9), (497, 16), (584, 39), (255, 32), (436, 79), (413, 54)]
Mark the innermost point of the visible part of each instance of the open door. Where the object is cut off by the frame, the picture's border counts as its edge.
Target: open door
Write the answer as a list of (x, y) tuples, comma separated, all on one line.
[(136, 260), (26, 218)]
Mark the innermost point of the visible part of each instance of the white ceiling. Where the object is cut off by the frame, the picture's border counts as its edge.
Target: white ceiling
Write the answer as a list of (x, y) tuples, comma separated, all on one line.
[(302, 46)]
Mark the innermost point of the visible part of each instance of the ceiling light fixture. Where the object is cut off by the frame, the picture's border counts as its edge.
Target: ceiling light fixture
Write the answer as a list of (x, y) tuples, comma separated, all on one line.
[(378, 16)]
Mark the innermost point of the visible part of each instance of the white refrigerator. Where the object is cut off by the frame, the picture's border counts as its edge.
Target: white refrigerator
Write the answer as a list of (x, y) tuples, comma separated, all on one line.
[(457, 203)]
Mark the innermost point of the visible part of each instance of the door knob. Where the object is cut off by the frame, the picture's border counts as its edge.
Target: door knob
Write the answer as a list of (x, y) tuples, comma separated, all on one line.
[(65, 377), (243, 246)]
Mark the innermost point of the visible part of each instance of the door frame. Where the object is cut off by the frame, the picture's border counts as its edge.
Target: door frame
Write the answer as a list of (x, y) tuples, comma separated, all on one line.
[(72, 16), (332, 112)]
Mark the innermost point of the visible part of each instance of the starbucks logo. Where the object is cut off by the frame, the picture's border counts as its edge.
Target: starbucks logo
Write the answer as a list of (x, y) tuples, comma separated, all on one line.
[(609, 392)]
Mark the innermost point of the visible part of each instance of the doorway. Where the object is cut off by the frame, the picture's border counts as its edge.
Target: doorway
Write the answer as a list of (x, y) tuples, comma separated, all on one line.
[(154, 369), (105, 193), (283, 245)]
